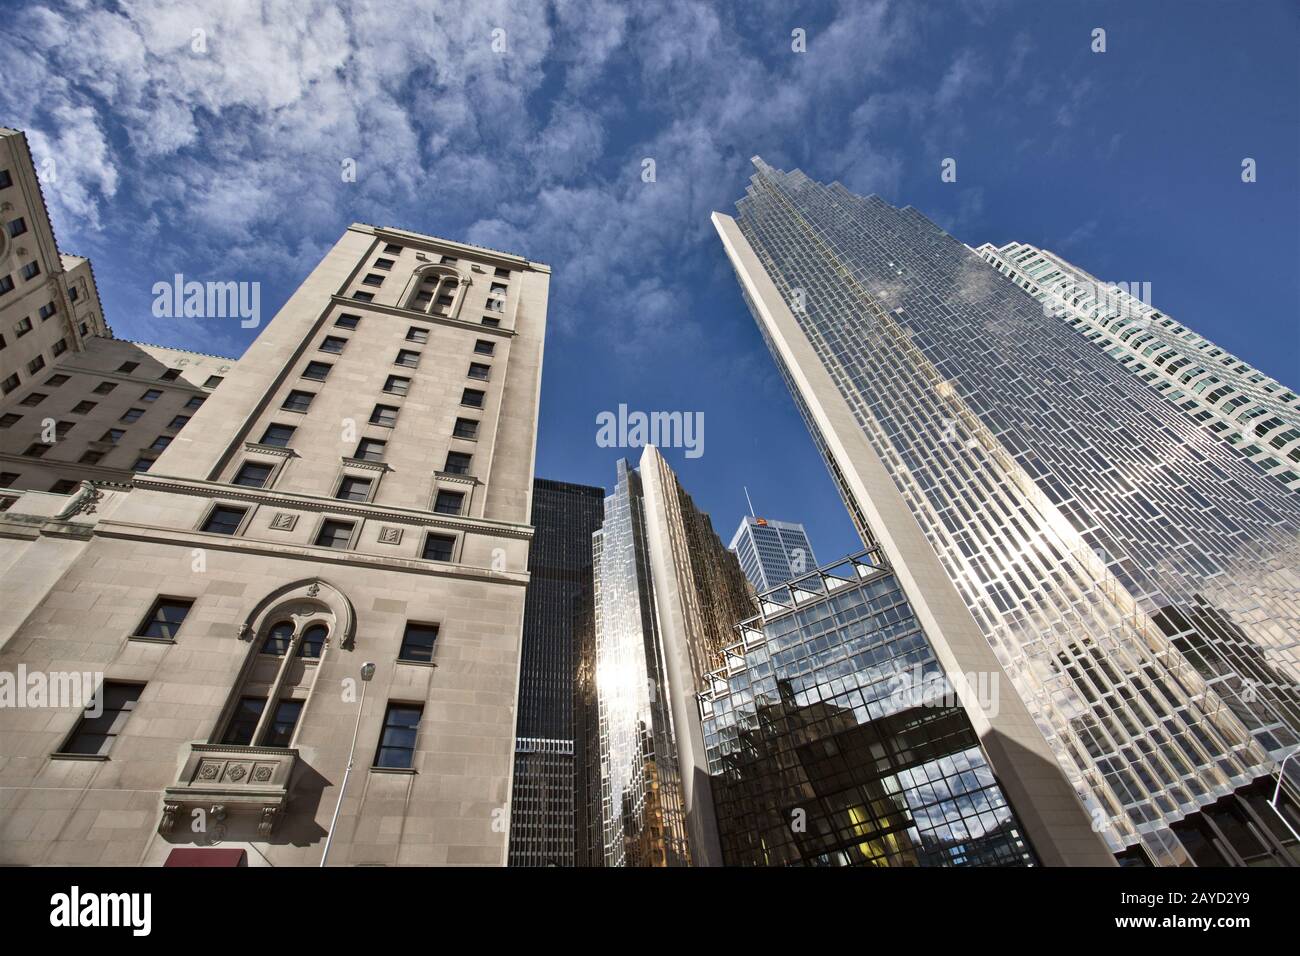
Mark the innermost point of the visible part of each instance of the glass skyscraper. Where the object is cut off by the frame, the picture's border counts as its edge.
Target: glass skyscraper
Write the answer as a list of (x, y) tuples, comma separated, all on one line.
[(1136, 576), (772, 552), (548, 804)]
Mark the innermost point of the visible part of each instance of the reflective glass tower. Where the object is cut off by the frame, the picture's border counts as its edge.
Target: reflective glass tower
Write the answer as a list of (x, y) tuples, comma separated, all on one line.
[(772, 552), (1136, 576)]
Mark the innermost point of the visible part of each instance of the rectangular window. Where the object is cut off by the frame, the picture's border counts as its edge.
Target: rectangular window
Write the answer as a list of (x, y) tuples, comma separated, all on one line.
[(9, 419), (7, 479), (6, 180), (143, 463), (59, 347), (9, 384), (491, 323), (36, 450), (333, 343), (36, 364), (95, 735), (33, 398), (243, 722), (283, 721), (417, 642), (297, 401), (103, 388), (91, 458), (171, 375), (112, 436), (465, 428), (178, 422), (457, 463), (17, 226), (397, 740), (393, 249), (252, 474), (384, 264), (363, 296), (126, 368), (151, 395), (373, 279), (64, 486), (161, 442), (397, 385), (502, 273), (370, 449), (334, 534), (213, 381), (472, 397), (407, 358), (484, 347), (195, 401), (438, 547), (352, 488), (316, 371), (165, 618), (479, 371), (224, 520), (417, 334), (30, 271), (131, 415), (449, 502), (6, 284), (23, 327), (347, 321), (47, 310), (498, 288), (82, 407), (278, 435), (385, 415), (448, 260)]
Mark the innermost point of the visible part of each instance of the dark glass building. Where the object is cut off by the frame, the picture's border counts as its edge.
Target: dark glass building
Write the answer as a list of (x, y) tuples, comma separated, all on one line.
[(548, 805)]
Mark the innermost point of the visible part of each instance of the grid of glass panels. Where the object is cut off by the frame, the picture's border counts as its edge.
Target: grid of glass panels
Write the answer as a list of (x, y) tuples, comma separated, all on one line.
[(1136, 576), (822, 753)]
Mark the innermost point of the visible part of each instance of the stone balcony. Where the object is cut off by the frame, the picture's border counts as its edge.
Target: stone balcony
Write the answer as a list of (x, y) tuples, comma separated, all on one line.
[(234, 780)]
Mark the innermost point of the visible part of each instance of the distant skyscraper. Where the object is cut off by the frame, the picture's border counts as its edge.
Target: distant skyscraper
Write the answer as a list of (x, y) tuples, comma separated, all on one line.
[(667, 597), (772, 552), (1137, 577), (548, 751)]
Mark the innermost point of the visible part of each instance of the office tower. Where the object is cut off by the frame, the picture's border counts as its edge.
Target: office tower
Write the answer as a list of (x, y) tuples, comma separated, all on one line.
[(772, 552), (1135, 575), (357, 490), (834, 738), (1241, 404), (550, 744), (667, 595)]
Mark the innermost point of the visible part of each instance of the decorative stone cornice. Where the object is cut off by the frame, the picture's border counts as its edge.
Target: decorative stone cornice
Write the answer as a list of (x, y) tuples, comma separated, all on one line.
[(379, 466), (270, 449), (402, 313)]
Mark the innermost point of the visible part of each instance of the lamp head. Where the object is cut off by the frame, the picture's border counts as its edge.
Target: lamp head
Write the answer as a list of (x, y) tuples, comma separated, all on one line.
[(367, 670)]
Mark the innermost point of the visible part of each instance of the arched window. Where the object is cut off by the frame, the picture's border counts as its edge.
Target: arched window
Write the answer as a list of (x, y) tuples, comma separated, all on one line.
[(313, 641), (437, 290), (278, 639)]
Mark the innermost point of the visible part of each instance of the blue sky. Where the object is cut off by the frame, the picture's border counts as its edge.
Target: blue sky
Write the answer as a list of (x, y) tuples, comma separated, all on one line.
[(224, 163)]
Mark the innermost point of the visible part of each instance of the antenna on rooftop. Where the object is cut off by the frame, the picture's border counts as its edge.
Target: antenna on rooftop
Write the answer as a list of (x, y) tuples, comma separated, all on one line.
[(751, 504)]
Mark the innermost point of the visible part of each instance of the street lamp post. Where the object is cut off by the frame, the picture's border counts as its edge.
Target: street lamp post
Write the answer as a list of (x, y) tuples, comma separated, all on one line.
[(367, 672)]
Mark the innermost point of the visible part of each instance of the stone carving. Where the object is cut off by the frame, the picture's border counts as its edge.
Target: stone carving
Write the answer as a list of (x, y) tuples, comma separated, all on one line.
[(168, 821), (237, 772), (313, 590), (209, 771), (283, 521), (262, 774), (390, 535), (269, 816)]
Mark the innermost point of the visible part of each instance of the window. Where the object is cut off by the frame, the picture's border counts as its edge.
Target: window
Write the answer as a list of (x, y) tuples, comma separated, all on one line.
[(397, 741), (131, 415), (82, 407), (7, 478), (491, 323), (74, 293), (352, 488), (370, 449), (278, 435), (438, 547), (465, 428), (449, 502), (243, 722), (383, 264), (54, 381), (151, 395), (347, 321), (417, 334), (297, 401), (195, 401), (252, 474), (385, 415), (103, 388), (62, 428), (33, 399), (313, 641), (112, 436), (479, 370), (496, 305), (334, 534), (143, 463), (178, 422), (30, 271), (9, 384), (285, 718), (448, 260), (484, 347), (213, 381), (8, 420), (171, 375), (417, 642), (6, 180), (224, 520), (36, 364), (91, 458), (316, 371), (59, 347), (397, 385), (498, 288), (95, 735), (373, 279), (36, 450), (472, 397), (165, 619), (363, 296), (47, 310), (333, 343), (17, 226), (64, 486), (407, 358), (457, 463), (278, 640), (23, 327), (126, 368), (3, 343), (502, 273), (393, 249), (161, 442)]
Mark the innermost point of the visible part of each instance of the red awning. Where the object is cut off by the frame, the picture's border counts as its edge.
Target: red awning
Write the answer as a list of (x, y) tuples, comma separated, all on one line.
[(206, 856)]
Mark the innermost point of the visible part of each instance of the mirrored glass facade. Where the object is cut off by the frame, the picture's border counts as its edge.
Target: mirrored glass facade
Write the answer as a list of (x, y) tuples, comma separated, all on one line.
[(835, 739), (1137, 577)]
